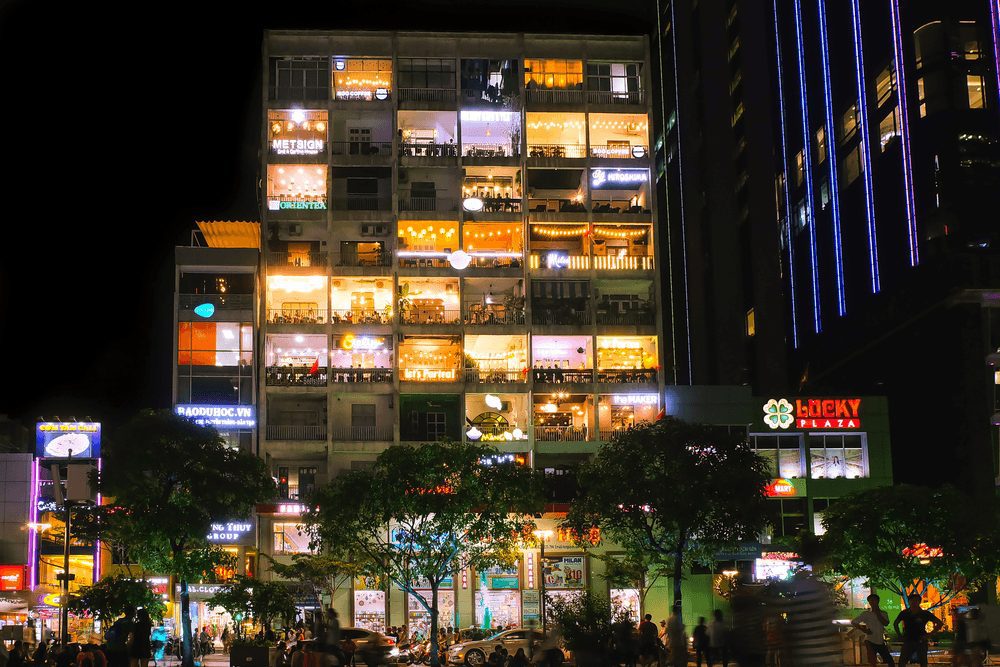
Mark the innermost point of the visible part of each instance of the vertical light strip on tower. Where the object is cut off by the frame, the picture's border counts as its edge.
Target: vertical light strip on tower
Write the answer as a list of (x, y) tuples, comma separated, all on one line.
[(33, 538), (995, 21), (866, 149), (904, 131), (831, 159), (807, 167), (784, 167)]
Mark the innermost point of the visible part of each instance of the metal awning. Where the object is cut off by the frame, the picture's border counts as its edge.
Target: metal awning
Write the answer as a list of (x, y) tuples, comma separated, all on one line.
[(230, 234)]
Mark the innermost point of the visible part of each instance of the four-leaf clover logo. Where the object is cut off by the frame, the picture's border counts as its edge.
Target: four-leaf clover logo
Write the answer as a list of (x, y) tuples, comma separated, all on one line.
[(778, 413)]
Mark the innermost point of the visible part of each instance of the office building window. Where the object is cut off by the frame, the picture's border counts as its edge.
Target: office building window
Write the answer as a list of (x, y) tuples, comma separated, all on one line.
[(885, 84), (969, 40), (751, 323), (800, 169), (838, 456), (820, 144), (783, 453), (613, 77), (304, 78), (851, 166), (426, 73), (849, 123), (738, 113), (921, 97), (888, 128), (974, 82), (787, 517)]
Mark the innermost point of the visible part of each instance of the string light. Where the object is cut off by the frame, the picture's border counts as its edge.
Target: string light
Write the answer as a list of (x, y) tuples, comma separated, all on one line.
[(556, 125), (619, 233), (557, 232)]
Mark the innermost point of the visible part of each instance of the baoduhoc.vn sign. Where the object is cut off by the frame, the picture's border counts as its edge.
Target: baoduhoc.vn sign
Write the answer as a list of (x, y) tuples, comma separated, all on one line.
[(813, 413)]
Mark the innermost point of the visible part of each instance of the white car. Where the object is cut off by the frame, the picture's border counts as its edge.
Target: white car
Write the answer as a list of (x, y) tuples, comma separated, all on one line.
[(474, 654)]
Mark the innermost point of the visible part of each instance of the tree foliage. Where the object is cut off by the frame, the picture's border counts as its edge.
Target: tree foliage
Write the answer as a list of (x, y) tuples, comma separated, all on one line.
[(904, 537), (423, 514), (587, 623), (676, 491), (112, 597), (259, 601), (170, 479), (321, 572)]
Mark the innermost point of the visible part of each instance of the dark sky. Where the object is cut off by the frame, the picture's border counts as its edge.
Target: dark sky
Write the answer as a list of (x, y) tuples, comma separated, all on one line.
[(123, 125)]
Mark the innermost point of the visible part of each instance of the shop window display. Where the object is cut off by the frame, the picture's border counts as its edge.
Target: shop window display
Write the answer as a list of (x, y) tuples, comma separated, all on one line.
[(783, 454), (289, 539), (835, 456), (627, 600), (419, 619), (369, 610)]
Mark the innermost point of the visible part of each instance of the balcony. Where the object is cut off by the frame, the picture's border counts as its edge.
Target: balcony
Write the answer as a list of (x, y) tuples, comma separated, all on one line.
[(556, 260), (627, 376), (283, 259), (493, 315), (561, 434), (370, 258), (429, 313), (489, 151), (494, 376), (429, 374), (562, 376), (557, 151), (361, 203), (449, 150), (295, 376), (220, 301), (287, 315), (619, 209), (616, 97), (642, 316), (361, 148), (362, 433), (623, 263), (423, 204), (350, 316), (295, 432), (559, 316), (440, 95), (553, 96), (360, 375)]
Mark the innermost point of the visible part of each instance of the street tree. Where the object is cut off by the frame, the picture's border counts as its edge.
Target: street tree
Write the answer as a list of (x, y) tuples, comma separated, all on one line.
[(904, 538), (677, 491), (113, 596), (170, 478), (260, 601), (423, 514), (321, 572), (635, 568)]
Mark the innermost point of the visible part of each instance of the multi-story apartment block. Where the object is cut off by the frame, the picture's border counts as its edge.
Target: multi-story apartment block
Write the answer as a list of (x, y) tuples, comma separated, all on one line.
[(459, 241)]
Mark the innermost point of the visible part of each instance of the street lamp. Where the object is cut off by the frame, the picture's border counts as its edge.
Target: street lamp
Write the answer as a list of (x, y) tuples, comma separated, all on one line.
[(541, 536)]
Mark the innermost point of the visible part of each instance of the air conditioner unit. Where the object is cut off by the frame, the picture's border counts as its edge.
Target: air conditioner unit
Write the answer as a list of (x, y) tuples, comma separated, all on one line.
[(295, 229)]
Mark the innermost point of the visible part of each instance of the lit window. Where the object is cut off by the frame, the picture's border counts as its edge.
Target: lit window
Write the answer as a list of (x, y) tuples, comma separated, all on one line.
[(738, 113), (851, 168), (975, 85), (288, 539), (889, 127), (751, 323), (734, 48), (783, 454), (885, 84), (849, 123), (820, 144), (552, 73), (969, 40), (836, 456), (921, 97), (800, 169)]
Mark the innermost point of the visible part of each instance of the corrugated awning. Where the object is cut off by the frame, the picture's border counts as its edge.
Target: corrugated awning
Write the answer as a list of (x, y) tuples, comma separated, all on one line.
[(230, 234)]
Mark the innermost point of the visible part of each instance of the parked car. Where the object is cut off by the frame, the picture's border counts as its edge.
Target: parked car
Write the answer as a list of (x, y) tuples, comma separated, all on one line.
[(373, 648), (474, 653)]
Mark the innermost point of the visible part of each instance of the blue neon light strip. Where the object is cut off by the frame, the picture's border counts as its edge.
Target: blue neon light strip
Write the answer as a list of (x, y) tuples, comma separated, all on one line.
[(831, 160), (995, 20), (807, 167), (866, 148), (904, 131), (784, 165)]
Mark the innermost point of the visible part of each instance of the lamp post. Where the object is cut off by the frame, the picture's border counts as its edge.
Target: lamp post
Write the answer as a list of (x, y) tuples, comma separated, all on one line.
[(542, 535)]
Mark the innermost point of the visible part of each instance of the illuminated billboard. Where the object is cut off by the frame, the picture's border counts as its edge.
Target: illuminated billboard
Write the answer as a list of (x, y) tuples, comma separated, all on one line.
[(220, 416), (62, 440)]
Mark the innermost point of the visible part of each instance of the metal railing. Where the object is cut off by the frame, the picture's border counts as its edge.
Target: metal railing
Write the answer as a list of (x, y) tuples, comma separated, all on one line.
[(560, 434), (440, 262), (363, 433), (546, 316), (279, 258), (296, 432), (409, 202), (558, 260), (493, 317), (296, 316), (553, 96), (611, 97), (430, 374), (427, 95), (497, 376), (610, 208), (361, 203), (376, 258), (360, 375), (294, 376), (556, 206), (607, 434), (627, 318), (353, 316), (627, 263), (490, 150), (562, 376), (370, 148), (499, 204), (557, 150), (634, 151), (627, 376), (481, 262), (428, 150), (220, 301), (481, 97), (424, 315)]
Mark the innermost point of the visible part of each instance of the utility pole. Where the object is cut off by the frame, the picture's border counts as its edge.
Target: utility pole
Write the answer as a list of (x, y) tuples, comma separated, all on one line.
[(542, 535)]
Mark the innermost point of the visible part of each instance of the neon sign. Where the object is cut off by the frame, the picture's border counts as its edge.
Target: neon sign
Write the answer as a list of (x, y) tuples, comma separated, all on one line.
[(813, 413), (285, 205), (612, 178), (297, 146), (556, 260), (365, 343), (205, 310), (219, 416), (781, 488), (634, 399), (231, 532)]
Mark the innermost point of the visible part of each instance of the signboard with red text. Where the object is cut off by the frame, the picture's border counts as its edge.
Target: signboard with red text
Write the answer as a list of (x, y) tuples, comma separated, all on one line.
[(813, 413), (12, 577)]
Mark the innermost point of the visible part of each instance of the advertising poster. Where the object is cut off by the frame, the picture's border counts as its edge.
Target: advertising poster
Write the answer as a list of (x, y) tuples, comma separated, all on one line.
[(369, 610), (564, 572), (61, 440), (531, 602)]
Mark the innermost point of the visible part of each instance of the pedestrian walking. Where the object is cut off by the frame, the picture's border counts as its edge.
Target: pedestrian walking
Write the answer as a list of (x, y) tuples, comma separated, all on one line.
[(699, 641), (140, 648), (811, 636), (873, 622), (718, 640), (747, 637), (677, 638), (914, 635)]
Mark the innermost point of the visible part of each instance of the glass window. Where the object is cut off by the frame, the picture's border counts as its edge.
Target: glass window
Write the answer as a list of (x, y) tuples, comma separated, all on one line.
[(885, 84), (786, 516), (922, 97), (851, 168), (836, 456), (288, 539), (800, 169), (437, 425), (554, 73), (214, 344), (849, 123), (784, 452), (974, 82), (613, 77), (304, 78), (929, 44), (969, 40), (307, 482), (888, 127), (363, 416), (820, 144), (362, 78), (751, 323), (426, 73)]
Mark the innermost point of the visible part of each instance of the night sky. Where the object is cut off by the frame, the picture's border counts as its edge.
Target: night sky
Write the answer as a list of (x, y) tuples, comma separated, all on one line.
[(122, 126)]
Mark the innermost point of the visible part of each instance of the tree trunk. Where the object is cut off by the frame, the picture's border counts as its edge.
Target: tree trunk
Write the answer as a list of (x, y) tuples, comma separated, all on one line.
[(679, 574), (434, 625), (187, 659)]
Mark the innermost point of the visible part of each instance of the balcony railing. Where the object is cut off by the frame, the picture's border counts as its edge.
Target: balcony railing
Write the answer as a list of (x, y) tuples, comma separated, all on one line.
[(561, 434), (493, 317), (627, 318), (611, 208), (499, 204), (278, 258), (555, 259), (487, 261), (429, 374), (627, 375), (410, 259), (301, 93), (630, 152), (295, 432), (557, 150), (627, 263), (478, 97), (562, 376), (350, 316), (429, 150), (422, 315), (296, 316), (373, 258), (415, 203), (553, 96), (220, 301), (556, 206), (607, 434), (427, 95), (370, 148), (548, 316), (361, 203), (611, 97), (363, 433), (489, 150), (295, 376), (360, 375), (487, 375)]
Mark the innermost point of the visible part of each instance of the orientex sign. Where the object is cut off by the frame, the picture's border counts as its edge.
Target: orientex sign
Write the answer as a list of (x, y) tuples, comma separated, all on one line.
[(297, 146), (813, 413), (219, 416)]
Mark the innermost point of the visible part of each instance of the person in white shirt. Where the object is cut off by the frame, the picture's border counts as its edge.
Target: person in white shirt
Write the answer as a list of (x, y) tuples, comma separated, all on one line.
[(873, 622), (718, 644)]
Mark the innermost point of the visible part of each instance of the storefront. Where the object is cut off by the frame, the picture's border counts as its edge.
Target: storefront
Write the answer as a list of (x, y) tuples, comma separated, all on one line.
[(202, 613), (626, 359), (628, 601), (369, 604), (418, 619), (498, 598), (352, 352)]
